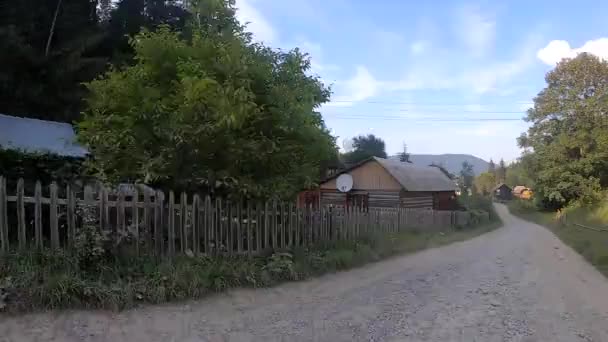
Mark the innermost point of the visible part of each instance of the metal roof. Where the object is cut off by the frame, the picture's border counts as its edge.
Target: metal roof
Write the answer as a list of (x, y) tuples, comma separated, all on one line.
[(33, 135), (417, 178)]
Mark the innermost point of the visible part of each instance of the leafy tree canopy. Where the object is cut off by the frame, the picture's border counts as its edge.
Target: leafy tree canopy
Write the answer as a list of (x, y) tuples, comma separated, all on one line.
[(485, 183), (466, 176), (568, 136), (364, 147), (209, 109)]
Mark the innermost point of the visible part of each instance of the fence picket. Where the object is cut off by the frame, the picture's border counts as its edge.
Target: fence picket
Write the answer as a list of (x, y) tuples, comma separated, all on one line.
[(207, 226), (147, 227), (196, 224), (171, 218), (266, 226), (248, 227), (183, 203), (120, 212), (135, 220), (21, 214), (54, 224), (231, 212), (3, 216), (37, 214), (71, 216), (158, 223), (239, 227), (103, 201), (258, 228)]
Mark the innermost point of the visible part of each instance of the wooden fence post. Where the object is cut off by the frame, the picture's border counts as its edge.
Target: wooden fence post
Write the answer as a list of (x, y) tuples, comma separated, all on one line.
[(37, 215), (21, 214), (183, 204), (159, 207), (258, 227), (54, 224), (103, 205), (3, 216), (135, 220), (266, 226), (171, 220), (147, 225), (239, 228), (120, 212), (71, 216), (196, 225), (249, 232)]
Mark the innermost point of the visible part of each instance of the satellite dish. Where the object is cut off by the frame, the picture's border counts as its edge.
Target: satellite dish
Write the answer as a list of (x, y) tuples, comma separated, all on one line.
[(344, 182)]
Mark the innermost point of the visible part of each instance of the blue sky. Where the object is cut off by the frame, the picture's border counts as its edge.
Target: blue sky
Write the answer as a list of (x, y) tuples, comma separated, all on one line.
[(411, 72)]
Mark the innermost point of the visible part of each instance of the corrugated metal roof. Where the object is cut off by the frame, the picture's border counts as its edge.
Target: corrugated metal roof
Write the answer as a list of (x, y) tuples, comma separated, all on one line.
[(417, 178), (33, 135)]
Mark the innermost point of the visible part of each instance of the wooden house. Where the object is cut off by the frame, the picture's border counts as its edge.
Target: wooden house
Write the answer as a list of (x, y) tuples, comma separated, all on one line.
[(522, 192), (502, 192), (379, 182)]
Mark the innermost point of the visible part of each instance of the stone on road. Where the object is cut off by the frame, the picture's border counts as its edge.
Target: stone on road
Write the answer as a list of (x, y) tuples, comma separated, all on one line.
[(517, 283)]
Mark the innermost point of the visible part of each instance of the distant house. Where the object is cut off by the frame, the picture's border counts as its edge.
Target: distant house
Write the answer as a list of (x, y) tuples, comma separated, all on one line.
[(39, 136), (502, 192), (522, 192), (379, 182)]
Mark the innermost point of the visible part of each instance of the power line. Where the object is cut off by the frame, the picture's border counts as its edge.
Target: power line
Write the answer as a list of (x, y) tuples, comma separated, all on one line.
[(422, 119), (431, 103)]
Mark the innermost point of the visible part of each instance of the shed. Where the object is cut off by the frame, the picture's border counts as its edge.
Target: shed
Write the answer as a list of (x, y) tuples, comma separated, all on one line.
[(379, 182), (502, 192)]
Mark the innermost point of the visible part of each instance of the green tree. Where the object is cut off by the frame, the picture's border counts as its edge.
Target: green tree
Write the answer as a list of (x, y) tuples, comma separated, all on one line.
[(492, 167), (465, 178), (404, 156), (212, 111), (364, 147), (501, 172), (568, 136), (485, 183), (48, 50)]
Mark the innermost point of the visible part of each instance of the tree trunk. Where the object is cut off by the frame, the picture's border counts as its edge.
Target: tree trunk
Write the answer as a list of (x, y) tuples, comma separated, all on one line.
[(52, 31)]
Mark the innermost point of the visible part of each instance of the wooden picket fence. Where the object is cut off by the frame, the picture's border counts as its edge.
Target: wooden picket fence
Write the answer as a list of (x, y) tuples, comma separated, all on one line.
[(152, 224)]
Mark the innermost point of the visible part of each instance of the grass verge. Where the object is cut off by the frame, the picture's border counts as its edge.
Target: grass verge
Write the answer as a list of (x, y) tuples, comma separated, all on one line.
[(590, 244), (56, 280)]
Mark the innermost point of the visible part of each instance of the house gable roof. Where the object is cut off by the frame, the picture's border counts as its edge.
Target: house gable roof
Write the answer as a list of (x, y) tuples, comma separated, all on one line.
[(410, 176), (501, 185), (39, 136)]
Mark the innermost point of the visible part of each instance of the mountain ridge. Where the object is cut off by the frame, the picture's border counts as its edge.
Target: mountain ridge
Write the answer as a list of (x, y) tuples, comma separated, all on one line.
[(452, 162)]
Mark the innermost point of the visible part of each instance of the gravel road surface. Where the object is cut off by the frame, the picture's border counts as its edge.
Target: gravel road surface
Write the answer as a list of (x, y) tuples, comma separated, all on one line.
[(518, 283)]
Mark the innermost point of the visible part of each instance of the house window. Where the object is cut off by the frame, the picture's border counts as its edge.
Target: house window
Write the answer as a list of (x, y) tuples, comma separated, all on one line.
[(360, 201)]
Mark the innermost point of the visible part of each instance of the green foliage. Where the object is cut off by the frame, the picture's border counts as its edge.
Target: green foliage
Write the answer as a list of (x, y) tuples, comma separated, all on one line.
[(518, 172), (45, 167), (211, 111), (364, 147), (567, 139), (40, 84), (55, 279), (466, 177), (485, 183)]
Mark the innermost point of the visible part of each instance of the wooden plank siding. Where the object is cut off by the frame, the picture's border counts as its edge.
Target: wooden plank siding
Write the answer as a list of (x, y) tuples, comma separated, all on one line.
[(369, 176)]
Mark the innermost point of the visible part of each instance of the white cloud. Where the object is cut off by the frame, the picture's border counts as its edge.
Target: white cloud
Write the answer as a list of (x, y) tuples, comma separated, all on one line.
[(256, 22), (557, 50), (476, 30), (418, 47), (360, 87)]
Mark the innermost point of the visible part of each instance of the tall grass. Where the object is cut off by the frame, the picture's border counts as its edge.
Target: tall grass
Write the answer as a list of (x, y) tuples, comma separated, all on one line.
[(53, 279)]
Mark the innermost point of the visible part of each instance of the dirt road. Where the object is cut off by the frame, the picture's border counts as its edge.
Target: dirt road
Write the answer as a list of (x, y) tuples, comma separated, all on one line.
[(518, 283)]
